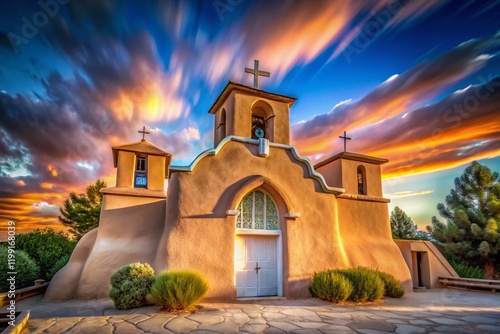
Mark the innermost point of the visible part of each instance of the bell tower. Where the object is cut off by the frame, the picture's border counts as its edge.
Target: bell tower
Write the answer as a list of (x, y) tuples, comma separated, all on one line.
[(141, 167), (251, 112)]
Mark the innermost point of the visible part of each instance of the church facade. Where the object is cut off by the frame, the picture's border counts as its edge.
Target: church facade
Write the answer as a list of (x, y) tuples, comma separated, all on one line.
[(252, 215)]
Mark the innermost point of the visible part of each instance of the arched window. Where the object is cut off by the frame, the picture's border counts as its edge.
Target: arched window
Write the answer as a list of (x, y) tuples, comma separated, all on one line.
[(222, 125), (257, 211), (361, 175)]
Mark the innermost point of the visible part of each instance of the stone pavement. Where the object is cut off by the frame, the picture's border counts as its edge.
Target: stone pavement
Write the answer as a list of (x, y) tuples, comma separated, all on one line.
[(431, 311)]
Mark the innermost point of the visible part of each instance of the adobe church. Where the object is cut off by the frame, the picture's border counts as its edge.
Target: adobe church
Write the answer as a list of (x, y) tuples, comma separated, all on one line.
[(252, 215)]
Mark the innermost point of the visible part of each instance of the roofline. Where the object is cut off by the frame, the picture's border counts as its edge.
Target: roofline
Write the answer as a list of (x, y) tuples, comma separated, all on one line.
[(313, 174), (246, 89), (352, 156), (120, 148)]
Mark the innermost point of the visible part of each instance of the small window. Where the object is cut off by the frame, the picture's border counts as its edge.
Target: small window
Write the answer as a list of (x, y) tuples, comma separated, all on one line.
[(361, 180), (141, 164), (140, 179)]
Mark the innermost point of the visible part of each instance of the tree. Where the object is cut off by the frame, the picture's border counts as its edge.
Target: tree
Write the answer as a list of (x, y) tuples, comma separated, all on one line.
[(402, 226), (472, 213), (45, 247), (81, 212)]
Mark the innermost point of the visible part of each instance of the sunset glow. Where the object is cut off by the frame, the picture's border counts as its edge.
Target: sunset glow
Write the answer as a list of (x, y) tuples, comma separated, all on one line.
[(416, 82)]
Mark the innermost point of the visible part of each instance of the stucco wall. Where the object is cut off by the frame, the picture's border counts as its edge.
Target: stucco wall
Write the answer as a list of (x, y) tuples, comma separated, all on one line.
[(350, 177), (228, 105), (64, 284), (332, 173), (365, 229), (156, 172), (343, 173), (127, 233), (125, 170)]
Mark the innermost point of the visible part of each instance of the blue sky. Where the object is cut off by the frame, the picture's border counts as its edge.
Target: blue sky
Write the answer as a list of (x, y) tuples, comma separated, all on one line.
[(416, 82)]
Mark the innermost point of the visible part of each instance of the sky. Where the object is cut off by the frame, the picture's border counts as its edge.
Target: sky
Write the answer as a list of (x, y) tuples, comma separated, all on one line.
[(416, 82)]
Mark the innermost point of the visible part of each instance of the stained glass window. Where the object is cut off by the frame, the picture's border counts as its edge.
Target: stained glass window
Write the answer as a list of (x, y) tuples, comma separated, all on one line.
[(257, 211)]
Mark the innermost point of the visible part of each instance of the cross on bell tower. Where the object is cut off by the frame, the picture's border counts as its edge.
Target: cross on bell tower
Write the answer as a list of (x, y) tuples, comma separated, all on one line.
[(144, 133), (345, 140), (256, 73)]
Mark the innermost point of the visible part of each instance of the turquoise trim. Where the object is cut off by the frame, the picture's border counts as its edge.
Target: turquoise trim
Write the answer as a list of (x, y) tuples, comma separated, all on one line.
[(313, 174)]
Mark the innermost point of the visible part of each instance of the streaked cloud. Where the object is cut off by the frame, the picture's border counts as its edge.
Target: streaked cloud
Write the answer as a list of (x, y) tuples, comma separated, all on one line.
[(420, 138), (112, 72), (409, 193)]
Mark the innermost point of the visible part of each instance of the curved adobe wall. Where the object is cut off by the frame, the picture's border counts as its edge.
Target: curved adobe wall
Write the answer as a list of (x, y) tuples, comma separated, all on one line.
[(364, 226), (64, 284), (129, 231)]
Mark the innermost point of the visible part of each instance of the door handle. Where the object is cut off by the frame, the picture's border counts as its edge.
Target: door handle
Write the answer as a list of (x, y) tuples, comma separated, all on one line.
[(257, 268)]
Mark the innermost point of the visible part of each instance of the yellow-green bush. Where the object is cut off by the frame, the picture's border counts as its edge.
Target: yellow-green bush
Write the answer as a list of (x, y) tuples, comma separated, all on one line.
[(177, 290), (357, 284), (130, 285), (330, 285), (366, 284), (392, 287)]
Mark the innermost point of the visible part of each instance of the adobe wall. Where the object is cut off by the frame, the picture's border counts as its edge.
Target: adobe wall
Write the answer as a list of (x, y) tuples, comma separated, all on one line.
[(200, 236), (344, 173), (364, 226), (350, 177), (130, 229), (332, 173)]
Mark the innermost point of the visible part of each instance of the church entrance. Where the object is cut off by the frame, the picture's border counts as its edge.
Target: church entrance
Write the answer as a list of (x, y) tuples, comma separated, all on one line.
[(258, 250), (256, 265)]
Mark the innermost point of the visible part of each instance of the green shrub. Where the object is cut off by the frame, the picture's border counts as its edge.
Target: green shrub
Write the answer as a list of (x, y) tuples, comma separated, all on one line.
[(366, 284), (392, 287), (45, 247), (130, 285), (177, 290), (330, 285), (465, 271), (58, 266), (26, 269)]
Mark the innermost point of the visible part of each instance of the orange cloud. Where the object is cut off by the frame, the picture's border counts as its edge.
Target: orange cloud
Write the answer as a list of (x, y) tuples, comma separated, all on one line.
[(401, 194), (396, 96), (52, 170)]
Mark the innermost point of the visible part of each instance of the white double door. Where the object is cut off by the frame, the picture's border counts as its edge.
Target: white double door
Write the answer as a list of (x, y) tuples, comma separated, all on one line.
[(256, 265)]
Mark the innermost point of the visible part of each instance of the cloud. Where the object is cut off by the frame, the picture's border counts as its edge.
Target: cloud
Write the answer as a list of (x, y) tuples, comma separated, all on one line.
[(43, 206), (117, 72), (380, 109), (180, 144), (427, 138), (401, 194), (299, 36)]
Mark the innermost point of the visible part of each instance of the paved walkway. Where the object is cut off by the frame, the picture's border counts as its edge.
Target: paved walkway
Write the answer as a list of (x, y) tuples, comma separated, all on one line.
[(432, 311)]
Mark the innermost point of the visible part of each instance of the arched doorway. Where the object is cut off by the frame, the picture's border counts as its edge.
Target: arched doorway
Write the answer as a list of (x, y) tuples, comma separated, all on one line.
[(258, 247)]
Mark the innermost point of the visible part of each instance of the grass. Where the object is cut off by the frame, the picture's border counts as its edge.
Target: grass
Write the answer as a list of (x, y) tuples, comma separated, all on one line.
[(177, 290)]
